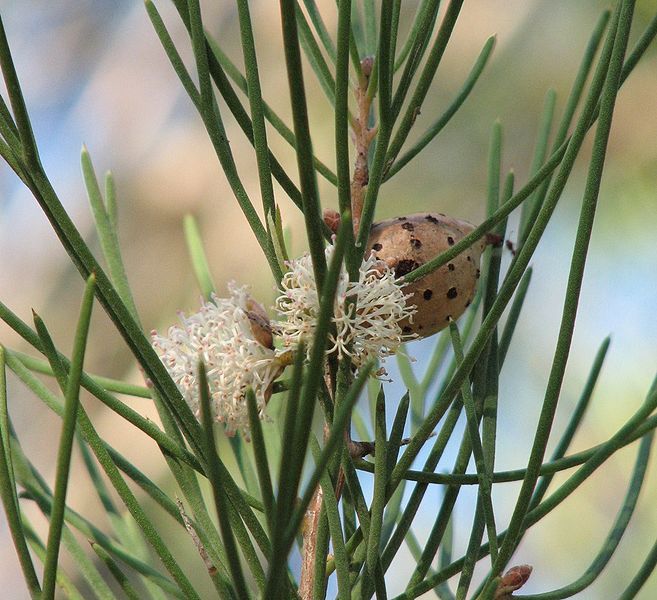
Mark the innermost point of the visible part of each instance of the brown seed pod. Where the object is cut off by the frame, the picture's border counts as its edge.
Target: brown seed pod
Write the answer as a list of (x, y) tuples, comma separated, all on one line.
[(405, 243)]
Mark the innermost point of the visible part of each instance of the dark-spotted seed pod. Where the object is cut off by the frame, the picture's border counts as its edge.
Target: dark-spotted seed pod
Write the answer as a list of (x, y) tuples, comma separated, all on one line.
[(405, 243)]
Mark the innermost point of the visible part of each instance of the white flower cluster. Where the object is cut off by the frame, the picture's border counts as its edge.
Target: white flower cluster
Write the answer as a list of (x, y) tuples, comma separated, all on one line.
[(222, 335), (233, 335), (364, 330)]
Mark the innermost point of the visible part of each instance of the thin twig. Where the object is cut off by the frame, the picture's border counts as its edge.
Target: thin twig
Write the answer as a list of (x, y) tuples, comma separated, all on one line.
[(363, 136), (311, 521), (207, 561), (310, 529)]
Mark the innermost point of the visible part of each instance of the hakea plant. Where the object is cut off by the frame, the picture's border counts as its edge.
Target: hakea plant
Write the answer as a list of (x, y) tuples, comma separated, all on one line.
[(361, 290)]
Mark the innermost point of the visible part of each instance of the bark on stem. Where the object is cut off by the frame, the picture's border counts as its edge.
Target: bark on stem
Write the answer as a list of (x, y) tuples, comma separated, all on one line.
[(309, 551), (363, 136)]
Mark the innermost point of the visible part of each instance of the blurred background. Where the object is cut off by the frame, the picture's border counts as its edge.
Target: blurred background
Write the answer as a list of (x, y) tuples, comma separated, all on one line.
[(93, 72)]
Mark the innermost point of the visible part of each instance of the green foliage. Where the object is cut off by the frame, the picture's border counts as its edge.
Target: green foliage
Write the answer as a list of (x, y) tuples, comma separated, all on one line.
[(273, 500)]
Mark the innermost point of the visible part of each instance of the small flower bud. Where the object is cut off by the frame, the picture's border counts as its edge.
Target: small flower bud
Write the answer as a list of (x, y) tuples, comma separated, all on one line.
[(332, 219), (512, 580), (366, 66)]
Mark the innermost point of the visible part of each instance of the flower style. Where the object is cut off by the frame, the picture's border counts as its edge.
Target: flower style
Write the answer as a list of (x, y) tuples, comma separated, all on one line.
[(369, 329), (232, 337)]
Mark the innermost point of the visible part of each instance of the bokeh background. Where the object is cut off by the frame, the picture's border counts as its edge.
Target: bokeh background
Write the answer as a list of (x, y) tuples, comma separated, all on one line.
[(93, 72)]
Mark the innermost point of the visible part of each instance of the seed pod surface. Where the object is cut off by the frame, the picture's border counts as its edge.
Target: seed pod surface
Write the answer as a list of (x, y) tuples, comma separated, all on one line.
[(405, 243)]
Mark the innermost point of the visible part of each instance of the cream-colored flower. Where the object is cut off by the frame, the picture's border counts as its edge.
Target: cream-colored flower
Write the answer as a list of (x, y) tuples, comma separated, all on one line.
[(227, 335), (370, 329)]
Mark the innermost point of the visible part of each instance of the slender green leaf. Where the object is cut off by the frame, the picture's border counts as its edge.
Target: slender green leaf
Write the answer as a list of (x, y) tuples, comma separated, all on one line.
[(257, 108), (286, 494), (419, 37), (107, 234), (198, 258), (334, 438), (106, 462), (320, 28), (435, 128), (65, 448), (380, 480), (341, 107), (323, 538), (111, 385), (397, 431), (86, 566), (213, 122), (540, 151), (8, 128), (223, 60), (308, 183), (330, 507), (514, 315), (472, 422), (121, 578), (29, 150), (220, 499), (8, 491), (609, 92), (412, 34), (39, 492), (406, 371), (612, 540), (574, 422), (314, 55), (644, 572), (384, 89), (529, 216), (262, 464), (39, 549), (278, 239), (426, 77)]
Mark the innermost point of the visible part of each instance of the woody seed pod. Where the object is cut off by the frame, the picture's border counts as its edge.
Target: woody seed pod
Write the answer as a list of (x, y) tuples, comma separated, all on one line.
[(406, 243)]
